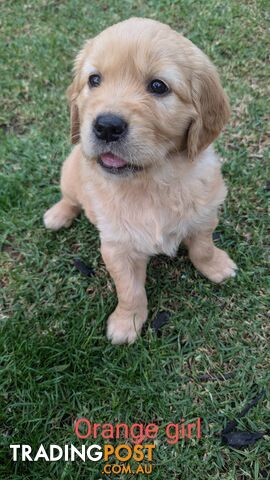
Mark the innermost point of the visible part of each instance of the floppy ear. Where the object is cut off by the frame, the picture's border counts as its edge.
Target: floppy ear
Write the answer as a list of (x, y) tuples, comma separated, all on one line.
[(74, 90), (74, 113), (212, 110)]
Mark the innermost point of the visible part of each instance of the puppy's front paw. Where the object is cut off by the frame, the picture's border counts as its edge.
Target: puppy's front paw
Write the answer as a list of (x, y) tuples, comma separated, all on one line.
[(60, 215), (219, 267), (125, 327)]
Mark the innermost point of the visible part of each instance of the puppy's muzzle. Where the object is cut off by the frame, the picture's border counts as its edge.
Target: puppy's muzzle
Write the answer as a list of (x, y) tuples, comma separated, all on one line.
[(109, 127)]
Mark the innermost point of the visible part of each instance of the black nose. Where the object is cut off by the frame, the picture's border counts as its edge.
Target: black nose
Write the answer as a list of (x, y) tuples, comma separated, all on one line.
[(109, 127)]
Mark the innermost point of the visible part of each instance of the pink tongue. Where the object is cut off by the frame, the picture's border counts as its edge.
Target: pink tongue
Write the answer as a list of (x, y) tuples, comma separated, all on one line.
[(111, 160)]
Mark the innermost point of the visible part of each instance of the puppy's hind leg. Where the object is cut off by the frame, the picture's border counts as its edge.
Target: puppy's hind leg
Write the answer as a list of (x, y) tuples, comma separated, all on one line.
[(61, 214), (64, 211), (211, 261)]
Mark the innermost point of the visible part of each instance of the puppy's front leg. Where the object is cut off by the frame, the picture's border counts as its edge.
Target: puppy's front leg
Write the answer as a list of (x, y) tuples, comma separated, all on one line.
[(128, 271)]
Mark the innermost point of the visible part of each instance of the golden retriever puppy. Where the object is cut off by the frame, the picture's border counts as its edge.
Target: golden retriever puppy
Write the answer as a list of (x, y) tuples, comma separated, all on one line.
[(146, 104)]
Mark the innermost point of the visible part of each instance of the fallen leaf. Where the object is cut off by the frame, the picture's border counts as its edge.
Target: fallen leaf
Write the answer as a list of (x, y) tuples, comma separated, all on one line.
[(237, 439), (160, 320), (241, 439), (84, 269)]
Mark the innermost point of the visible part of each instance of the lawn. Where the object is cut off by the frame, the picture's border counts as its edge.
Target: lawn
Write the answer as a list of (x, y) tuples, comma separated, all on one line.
[(56, 364)]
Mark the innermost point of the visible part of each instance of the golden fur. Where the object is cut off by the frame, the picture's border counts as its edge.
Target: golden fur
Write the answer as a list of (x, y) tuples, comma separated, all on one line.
[(176, 195)]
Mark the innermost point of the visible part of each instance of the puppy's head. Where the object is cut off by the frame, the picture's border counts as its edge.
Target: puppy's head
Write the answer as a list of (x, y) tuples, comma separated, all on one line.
[(141, 93)]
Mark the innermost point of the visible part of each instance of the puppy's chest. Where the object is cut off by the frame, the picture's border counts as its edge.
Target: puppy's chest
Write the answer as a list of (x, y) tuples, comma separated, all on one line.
[(150, 223)]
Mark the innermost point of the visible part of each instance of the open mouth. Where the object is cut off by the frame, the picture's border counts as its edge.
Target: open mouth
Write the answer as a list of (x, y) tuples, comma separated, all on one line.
[(116, 165)]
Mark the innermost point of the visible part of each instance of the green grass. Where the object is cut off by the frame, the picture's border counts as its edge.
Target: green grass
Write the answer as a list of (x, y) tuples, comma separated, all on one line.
[(56, 363)]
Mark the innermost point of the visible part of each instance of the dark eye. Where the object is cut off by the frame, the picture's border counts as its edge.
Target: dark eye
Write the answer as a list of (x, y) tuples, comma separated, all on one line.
[(158, 87), (94, 80)]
